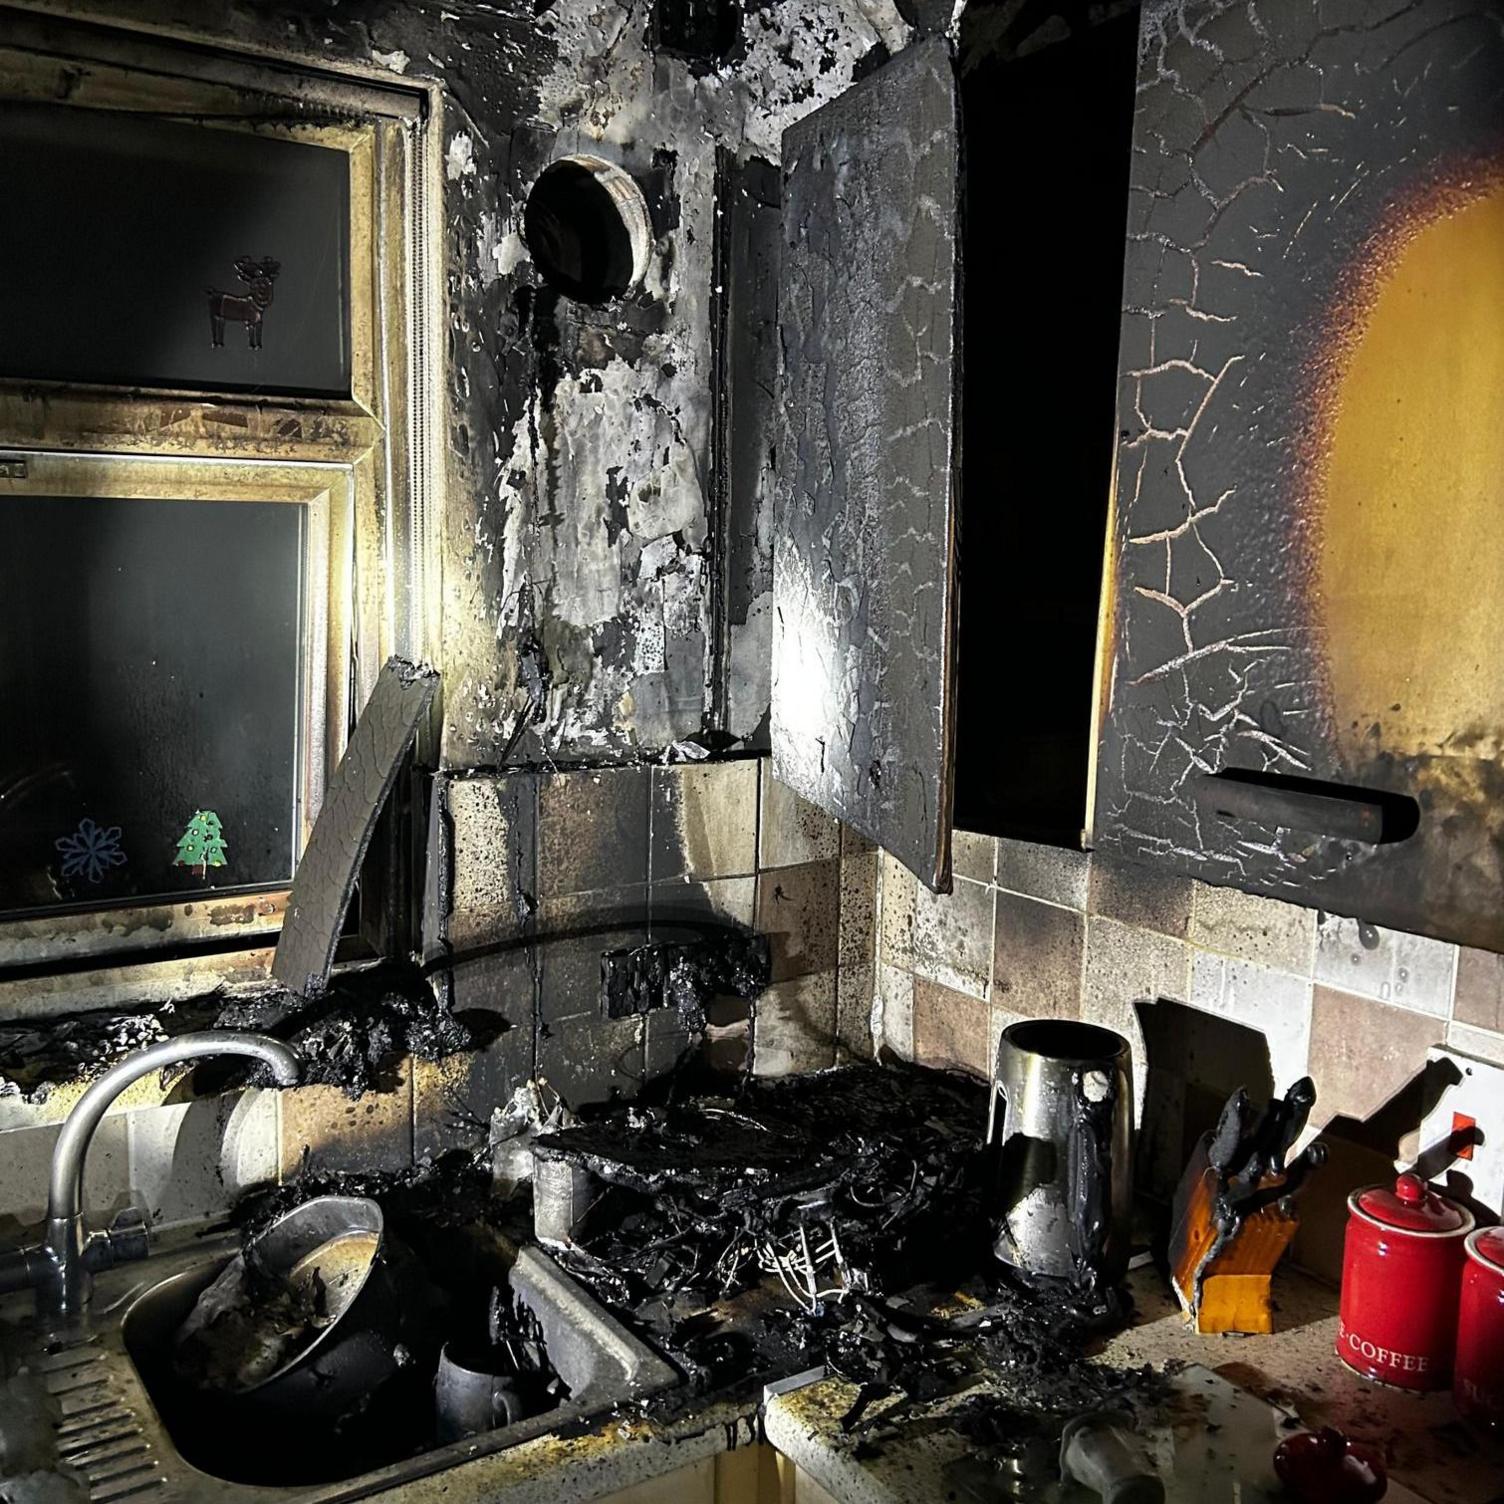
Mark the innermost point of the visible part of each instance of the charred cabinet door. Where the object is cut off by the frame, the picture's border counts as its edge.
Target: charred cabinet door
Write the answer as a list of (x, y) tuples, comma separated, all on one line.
[(1306, 694), (864, 568)]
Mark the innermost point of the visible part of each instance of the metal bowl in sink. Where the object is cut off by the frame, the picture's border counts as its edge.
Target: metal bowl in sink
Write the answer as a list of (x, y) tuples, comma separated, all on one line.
[(302, 1319)]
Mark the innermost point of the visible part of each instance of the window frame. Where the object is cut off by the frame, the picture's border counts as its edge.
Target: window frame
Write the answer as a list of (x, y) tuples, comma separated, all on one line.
[(362, 465)]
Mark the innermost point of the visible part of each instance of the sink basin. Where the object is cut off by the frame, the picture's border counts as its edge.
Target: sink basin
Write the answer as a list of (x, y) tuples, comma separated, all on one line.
[(137, 1433)]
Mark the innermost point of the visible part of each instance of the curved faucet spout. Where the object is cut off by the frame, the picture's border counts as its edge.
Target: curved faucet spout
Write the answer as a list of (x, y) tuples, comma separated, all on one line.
[(69, 1278)]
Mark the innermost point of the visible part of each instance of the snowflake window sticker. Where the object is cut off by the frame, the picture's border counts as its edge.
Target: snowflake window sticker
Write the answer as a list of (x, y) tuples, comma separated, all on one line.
[(91, 850)]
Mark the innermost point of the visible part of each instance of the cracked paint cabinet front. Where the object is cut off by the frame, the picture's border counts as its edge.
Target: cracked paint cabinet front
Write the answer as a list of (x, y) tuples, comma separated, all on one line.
[(864, 576), (1303, 688)]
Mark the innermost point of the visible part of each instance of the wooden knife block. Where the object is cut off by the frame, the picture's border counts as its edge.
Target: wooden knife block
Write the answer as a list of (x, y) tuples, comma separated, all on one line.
[(1234, 1284)]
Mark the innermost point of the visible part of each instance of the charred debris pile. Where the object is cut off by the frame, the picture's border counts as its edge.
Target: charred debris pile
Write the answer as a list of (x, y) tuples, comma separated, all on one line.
[(838, 1219), (352, 1037), (756, 1229)]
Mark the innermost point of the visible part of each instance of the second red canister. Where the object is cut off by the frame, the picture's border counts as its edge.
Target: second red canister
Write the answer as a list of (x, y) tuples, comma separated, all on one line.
[(1478, 1386), (1401, 1271)]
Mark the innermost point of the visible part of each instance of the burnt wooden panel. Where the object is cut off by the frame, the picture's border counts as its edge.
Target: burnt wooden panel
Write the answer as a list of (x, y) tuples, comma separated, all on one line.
[(749, 229), (326, 876), (864, 555), (1309, 550)]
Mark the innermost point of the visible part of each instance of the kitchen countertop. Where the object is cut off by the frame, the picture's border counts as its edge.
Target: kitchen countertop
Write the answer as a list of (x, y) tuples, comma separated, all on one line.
[(1432, 1458), (1430, 1455)]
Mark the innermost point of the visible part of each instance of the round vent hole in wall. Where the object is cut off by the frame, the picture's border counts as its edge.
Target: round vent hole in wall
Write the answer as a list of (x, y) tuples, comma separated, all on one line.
[(587, 229)]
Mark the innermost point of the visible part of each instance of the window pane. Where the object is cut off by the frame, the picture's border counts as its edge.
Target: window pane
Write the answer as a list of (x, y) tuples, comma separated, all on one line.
[(149, 674), (149, 252)]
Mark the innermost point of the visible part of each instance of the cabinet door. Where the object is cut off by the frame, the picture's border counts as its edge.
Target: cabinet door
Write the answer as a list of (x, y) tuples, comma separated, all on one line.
[(1305, 691), (864, 562)]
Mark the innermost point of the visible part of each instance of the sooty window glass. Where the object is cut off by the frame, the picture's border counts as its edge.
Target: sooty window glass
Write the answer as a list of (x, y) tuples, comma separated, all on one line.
[(150, 675), (154, 253)]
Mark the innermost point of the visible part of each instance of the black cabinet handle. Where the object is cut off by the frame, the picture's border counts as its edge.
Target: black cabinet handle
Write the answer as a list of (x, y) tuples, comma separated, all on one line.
[(1373, 816)]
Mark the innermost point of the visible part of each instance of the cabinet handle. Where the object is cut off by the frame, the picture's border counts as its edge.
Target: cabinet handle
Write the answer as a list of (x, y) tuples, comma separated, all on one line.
[(1375, 817)]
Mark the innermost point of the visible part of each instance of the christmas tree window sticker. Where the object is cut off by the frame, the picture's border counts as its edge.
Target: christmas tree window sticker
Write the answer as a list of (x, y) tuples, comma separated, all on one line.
[(202, 844)]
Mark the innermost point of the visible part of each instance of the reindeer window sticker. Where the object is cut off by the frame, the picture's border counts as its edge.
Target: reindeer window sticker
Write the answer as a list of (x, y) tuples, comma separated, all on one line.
[(258, 273)]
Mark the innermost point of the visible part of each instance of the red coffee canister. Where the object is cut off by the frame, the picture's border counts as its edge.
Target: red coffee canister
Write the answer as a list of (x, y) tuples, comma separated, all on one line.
[(1479, 1385), (1401, 1271)]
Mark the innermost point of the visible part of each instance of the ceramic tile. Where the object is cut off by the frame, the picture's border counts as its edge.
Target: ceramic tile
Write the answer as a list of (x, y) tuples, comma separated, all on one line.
[(1144, 897), (323, 1129), (1483, 1044), (1037, 958), (453, 1098), (502, 982), (491, 871), (858, 907), (1276, 1003), (951, 1030), (898, 894), (952, 937), (1364, 1052), (973, 856), (1479, 992), (704, 820), (855, 986), (798, 909), (728, 1035), (1052, 873), (1252, 928), (194, 1159), (665, 1043), (794, 1026), (1323, 1204), (721, 901), (1125, 966), (895, 1001), (573, 933), (592, 1060), (792, 831), (26, 1154), (1409, 971), (592, 830)]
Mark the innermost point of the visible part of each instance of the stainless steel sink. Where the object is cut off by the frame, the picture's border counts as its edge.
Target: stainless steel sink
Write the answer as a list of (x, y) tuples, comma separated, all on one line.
[(114, 1433)]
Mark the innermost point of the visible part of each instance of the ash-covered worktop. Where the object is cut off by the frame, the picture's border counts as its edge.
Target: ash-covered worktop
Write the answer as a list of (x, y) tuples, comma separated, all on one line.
[(839, 1224), (1253, 1391)]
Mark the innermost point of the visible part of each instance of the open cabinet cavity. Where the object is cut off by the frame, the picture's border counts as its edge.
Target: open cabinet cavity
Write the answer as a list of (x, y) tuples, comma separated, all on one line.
[(949, 294)]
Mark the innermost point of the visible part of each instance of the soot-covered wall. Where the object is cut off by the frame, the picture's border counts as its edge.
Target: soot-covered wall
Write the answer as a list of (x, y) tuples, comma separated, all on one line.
[(579, 549)]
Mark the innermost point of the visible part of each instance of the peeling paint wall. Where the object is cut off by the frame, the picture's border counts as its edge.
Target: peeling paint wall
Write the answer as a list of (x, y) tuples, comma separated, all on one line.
[(590, 530), (579, 558)]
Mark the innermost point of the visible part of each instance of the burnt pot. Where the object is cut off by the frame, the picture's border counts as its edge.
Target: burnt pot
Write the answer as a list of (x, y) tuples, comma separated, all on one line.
[(1063, 1096)]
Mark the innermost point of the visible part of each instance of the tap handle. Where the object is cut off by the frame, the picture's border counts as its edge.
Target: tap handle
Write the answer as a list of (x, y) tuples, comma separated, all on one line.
[(129, 1235)]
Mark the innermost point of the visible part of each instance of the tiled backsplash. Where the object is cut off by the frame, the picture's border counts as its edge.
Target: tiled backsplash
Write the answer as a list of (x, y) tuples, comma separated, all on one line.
[(1033, 931), (539, 874), (542, 872), (549, 870)]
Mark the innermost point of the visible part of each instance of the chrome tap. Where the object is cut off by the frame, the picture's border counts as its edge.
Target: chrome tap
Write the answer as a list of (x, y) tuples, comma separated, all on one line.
[(61, 1268)]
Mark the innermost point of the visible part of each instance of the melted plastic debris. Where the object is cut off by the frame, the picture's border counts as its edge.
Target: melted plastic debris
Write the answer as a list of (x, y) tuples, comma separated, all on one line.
[(36, 1056), (820, 1192), (355, 1035)]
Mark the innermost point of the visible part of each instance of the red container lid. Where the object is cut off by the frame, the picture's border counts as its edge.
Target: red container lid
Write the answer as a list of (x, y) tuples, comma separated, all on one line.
[(1487, 1246), (1412, 1207)]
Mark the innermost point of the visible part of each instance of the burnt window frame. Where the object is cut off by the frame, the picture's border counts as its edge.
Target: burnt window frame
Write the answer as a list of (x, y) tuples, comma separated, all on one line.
[(363, 466)]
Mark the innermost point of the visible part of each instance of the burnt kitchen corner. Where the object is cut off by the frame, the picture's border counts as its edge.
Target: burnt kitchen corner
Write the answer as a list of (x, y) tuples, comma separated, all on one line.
[(751, 751)]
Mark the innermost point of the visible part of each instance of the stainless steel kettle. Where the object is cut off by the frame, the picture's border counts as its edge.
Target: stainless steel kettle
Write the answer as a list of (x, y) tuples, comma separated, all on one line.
[(1065, 1150)]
